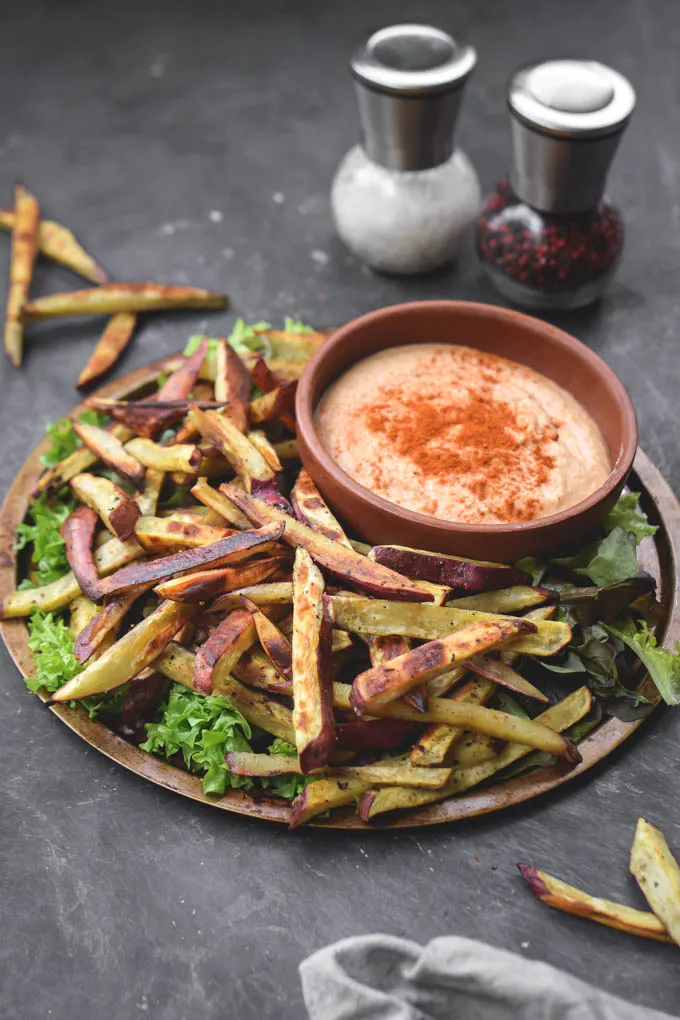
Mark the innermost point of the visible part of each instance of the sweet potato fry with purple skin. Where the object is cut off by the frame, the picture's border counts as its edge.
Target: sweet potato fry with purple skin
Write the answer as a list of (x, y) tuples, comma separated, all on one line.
[(263, 377), (80, 460), (505, 676), (382, 684), (313, 717), (24, 250), (77, 532), (275, 644), (159, 535), (311, 509), (110, 449), (232, 385), (213, 499), (274, 404), (109, 348), (375, 734), (90, 638), (555, 893), (205, 585), (111, 298), (227, 551), (234, 635), (147, 417), (451, 571), (56, 242), (179, 385), (382, 649), (118, 512), (351, 566)]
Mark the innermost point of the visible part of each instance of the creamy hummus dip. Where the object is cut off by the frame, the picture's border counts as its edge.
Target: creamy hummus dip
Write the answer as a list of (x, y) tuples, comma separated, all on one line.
[(462, 435)]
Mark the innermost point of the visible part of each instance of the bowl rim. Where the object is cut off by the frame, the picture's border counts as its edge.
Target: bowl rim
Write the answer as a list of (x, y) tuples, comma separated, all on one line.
[(304, 413)]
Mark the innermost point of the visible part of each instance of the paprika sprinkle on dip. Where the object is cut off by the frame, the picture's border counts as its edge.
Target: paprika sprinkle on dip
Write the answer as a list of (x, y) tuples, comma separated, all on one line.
[(462, 435)]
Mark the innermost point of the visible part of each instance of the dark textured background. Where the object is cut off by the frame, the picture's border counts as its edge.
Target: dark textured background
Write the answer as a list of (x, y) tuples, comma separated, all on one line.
[(134, 122)]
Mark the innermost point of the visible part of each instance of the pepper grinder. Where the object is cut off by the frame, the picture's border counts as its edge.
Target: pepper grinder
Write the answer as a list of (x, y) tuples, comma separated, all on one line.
[(547, 237), (402, 199)]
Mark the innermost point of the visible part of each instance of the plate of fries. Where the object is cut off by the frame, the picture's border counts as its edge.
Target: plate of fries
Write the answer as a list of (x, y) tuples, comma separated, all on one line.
[(199, 614)]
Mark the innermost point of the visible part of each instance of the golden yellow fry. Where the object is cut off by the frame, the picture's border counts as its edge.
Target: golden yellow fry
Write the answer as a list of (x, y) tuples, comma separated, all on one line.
[(160, 535), (24, 251), (147, 499), (76, 463), (54, 596), (558, 717), (111, 344), (557, 894), (324, 795), (181, 457), (117, 511), (130, 654), (657, 873), (111, 298), (434, 745), (81, 611), (57, 242)]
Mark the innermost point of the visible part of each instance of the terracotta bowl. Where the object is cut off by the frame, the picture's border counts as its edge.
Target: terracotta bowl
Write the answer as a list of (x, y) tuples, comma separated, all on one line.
[(521, 338)]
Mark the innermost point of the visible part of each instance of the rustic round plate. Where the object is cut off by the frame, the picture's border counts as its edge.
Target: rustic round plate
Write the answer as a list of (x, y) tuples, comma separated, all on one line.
[(659, 556)]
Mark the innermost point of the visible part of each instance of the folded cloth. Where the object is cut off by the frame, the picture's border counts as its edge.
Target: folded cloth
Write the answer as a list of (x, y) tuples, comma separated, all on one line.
[(378, 977)]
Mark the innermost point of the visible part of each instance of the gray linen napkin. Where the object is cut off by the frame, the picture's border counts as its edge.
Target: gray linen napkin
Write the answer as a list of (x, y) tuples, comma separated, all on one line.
[(379, 977)]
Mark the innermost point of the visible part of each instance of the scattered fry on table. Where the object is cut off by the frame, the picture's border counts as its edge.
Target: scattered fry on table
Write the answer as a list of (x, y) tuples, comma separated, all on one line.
[(110, 346), (111, 298), (24, 250)]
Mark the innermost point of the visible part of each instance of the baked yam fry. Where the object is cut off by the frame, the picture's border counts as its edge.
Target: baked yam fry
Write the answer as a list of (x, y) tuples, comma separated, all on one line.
[(82, 459), (504, 676), (426, 622), (256, 670), (342, 562), (181, 457), (311, 509), (24, 250), (109, 348), (657, 873), (129, 655), (277, 593), (81, 612), (312, 685), (275, 404), (108, 619), (111, 298), (204, 585), (117, 511), (108, 448), (324, 795), (147, 499), (232, 385), (382, 684), (247, 461), (166, 534), (147, 418), (558, 717), (60, 593), (77, 532), (276, 645), (262, 444), (243, 763), (181, 382), (384, 649), (451, 571), (224, 646), (568, 899), (504, 600), (57, 242), (434, 745), (213, 499), (227, 551)]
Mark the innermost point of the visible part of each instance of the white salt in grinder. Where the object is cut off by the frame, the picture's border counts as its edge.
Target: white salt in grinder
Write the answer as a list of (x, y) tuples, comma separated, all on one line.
[(403, 198)]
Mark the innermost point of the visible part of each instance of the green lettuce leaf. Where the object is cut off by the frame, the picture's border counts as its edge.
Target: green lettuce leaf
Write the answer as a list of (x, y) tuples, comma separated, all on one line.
[(295, 326), (662, 664), (42, 529), (244, 338), (64, 439), (507, 703), (202, 730), (52, 643), (626, 514)]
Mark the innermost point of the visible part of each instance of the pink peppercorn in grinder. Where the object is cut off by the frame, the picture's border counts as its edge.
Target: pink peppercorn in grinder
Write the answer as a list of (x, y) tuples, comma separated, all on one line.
[(547, 237)]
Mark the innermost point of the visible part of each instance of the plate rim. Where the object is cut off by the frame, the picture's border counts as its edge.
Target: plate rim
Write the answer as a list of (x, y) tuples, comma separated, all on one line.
[(595, 748)]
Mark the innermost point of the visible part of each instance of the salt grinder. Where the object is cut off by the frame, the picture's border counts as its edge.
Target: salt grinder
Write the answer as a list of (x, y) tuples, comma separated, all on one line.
[(547, 237), (403, 198)]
